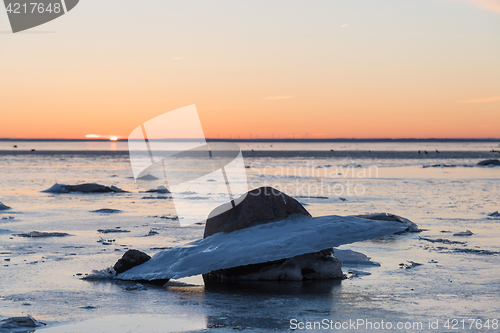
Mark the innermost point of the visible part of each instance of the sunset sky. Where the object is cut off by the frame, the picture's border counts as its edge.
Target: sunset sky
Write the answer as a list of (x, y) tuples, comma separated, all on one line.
[(282, 68)]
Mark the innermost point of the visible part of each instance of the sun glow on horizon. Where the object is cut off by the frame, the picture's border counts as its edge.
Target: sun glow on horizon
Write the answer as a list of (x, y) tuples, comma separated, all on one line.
[(98, 136)]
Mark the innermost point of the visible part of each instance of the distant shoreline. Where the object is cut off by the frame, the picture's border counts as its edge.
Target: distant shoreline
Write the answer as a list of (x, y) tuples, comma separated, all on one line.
[(355, 154), (264, 140)]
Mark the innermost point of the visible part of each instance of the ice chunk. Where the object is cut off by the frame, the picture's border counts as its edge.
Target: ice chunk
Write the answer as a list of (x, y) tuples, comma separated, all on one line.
[(3, 207), (40, 234), (262, 243), (20, 322), (411, 227), (490, 162), (350, 257), (110, 231), (159, 189), (107, 211), (83, 188), (464, 233)]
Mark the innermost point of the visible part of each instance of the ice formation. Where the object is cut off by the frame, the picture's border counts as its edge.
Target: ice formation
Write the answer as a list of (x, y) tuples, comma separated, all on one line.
[(83, 188), (3, 207), (262, 243)]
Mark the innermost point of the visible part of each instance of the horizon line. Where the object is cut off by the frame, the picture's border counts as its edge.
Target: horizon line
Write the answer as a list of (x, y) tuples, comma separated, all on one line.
[(266, 139)]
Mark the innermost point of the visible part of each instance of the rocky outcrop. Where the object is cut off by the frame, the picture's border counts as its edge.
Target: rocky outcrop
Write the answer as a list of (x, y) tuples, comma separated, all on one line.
[(490, 162), (260, 206), (83, 188), (3, 207)]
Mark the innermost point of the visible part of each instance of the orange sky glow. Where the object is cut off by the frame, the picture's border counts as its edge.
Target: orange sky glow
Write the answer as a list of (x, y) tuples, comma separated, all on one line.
[(416, 69)]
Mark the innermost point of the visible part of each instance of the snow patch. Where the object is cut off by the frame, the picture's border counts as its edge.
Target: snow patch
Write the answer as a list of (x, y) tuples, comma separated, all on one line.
[(350, 257)]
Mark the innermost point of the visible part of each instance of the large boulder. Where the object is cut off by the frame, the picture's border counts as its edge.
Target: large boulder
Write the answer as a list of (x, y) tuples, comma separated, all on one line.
[(490, 162), (133, 258), (261, 206)]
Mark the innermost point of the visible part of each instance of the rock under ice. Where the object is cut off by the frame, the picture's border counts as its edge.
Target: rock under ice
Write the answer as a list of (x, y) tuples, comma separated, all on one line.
[(294, 236)]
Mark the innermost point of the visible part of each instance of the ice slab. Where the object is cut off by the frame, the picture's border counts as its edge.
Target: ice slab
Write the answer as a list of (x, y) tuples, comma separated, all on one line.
[(83, 188), (273, 241), (133, 323), (350, 257), (4, 207)]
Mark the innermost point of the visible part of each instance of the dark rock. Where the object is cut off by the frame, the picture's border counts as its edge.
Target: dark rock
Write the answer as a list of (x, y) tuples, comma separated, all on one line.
[(84, 188), (489, 162), (157, 198), (130, 259), (440, 166), (410, 265), (110, 231), (151, 233), (159, 189), (260, 206), (107, 211), (441, 240)]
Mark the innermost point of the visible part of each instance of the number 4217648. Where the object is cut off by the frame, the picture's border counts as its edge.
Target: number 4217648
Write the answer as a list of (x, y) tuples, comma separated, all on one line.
[(33, 8)]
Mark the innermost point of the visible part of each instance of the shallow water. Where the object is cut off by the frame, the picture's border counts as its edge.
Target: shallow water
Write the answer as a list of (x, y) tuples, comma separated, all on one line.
[(39, 275)]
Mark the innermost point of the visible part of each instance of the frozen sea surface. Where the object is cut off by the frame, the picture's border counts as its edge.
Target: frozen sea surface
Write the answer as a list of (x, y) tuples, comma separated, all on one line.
[(457, 278)]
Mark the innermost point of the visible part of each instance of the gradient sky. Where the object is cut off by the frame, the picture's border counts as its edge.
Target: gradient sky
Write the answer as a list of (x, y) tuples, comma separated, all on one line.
[(282, 68)]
